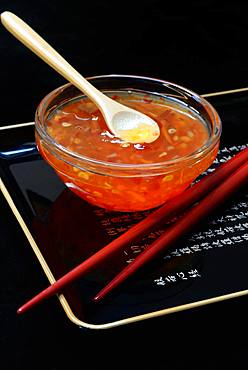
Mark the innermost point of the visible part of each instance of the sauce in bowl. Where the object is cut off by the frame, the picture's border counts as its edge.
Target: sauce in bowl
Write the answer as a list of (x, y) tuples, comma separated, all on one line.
[(117, 175)]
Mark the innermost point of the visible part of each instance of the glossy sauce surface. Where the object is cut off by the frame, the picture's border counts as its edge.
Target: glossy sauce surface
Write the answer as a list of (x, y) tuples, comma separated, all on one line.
[(80, 127)]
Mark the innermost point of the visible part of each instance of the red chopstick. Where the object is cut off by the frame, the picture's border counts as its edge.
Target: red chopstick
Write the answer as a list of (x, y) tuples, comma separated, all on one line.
[(180, 227), (176, 205)]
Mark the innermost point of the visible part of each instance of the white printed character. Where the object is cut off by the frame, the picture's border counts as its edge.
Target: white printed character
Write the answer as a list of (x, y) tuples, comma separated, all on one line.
[(160, 281), (194, 273), (186, 250), (171, 278), (217, 244), (227, 241), (181, 275), (236, 239), (196, 248), (206, 246), (245, 236)]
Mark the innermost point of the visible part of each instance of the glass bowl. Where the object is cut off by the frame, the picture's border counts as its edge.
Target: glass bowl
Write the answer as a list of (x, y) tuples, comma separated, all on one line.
[(124, 186)]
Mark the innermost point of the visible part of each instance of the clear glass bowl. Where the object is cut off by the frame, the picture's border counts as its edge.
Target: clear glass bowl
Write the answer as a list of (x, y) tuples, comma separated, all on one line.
[(127, 187)]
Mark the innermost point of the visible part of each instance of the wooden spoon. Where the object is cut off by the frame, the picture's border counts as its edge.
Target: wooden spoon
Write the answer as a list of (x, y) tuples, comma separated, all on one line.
[(125, 123)]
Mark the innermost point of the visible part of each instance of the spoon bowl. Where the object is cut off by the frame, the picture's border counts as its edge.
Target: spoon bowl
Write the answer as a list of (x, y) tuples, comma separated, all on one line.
[(133, 126), (125, 123)]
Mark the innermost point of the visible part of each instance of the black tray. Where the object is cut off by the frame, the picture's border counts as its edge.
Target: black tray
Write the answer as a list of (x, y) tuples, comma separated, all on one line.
[(207, 266)]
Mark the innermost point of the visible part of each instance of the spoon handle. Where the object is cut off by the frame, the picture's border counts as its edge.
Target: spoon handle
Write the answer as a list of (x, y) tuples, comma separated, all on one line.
[(40, 47)]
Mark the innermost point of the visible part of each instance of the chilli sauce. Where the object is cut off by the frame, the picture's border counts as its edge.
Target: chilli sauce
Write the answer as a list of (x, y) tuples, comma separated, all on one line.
[(79, 127)]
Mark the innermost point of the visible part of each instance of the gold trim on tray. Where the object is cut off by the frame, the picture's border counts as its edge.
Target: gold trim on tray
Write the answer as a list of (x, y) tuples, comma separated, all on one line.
[(217, 93), (51, 278), (17, 125)]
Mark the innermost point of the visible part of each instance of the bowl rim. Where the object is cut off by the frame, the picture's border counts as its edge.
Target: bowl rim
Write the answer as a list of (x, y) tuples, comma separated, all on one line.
[(202, 151)]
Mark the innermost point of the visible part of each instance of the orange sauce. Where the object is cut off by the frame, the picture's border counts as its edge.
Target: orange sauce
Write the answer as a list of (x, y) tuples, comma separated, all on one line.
[(79, 127)]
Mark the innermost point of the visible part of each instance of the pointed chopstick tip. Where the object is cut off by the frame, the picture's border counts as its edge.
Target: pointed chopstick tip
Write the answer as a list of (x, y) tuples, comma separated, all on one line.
[(97, 298), (20, 310)]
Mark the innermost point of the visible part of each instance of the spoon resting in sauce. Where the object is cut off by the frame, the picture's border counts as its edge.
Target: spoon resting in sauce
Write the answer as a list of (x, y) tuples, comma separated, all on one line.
[(125, 123)]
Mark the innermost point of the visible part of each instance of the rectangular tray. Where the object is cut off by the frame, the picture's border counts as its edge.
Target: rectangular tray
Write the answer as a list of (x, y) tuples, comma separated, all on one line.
[(207, 266)]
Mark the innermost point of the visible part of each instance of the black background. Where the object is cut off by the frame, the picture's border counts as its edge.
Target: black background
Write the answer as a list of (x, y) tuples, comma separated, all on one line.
[(199, 44)]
